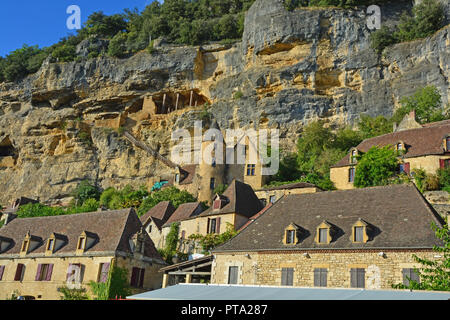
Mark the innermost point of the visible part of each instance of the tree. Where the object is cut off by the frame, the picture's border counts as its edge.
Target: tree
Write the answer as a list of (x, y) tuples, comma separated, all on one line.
[(220, 189), (373, 127), (426, 102), (118, 45), (115, 287), (434, 274), (213, 240), (84, 191), (382, 38), (172, 194), (376, 167), (171, 243), (101, 25)]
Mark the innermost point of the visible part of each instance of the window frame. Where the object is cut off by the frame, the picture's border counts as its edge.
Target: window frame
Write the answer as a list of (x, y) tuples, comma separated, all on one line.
[(323, 232), (251, 170), (351, 174), (359, 275), (319, 277), (287, 277), (235, 272)]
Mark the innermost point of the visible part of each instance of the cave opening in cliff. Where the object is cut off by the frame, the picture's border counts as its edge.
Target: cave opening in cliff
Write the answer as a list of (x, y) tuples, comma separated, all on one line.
[(167, 102), (7, 148)]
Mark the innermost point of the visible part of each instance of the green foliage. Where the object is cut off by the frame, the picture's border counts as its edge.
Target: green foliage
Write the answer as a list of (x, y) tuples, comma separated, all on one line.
[(127, 197), (427, 17), (172, 239), (427, 104), (101, 25), (172, 194), (115, 287), (238, 95), (21, 62), (434, 274), (73, 294), (64, 53), (373, 127), (220, 189), (213, 240), (85, 137), (444, 178), (118, 45), (84, 191), (2, 223), (39, 210), (376, 167)]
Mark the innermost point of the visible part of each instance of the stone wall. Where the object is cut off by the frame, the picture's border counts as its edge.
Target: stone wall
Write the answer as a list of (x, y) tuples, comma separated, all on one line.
[(264, 268)]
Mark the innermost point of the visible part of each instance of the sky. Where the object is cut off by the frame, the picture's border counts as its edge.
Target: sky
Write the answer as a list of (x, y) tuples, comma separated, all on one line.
[(43, 22)]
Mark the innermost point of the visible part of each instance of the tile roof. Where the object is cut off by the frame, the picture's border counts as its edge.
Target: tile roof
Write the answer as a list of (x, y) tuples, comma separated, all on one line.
[(241, 200), (419, 142), (190, 171), (159, 214), (185, 211), (290, 186), (113, 229), (252, 219), (399, 215)]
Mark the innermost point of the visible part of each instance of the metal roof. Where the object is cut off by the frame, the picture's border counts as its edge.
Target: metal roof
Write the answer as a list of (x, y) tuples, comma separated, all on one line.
[(241, 292)]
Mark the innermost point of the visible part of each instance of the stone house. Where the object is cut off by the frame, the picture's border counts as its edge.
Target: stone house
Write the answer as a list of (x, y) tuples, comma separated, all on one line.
[(154, 220), (9, 213), (361, 238), (424, 147), (235, 207), (273, 194), (40, 255)]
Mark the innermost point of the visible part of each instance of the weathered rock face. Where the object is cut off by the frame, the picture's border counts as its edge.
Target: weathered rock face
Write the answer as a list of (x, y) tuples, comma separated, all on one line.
[(58, 126)]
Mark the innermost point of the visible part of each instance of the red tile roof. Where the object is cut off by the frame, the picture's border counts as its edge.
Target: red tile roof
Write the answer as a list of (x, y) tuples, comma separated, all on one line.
[(185, 211)]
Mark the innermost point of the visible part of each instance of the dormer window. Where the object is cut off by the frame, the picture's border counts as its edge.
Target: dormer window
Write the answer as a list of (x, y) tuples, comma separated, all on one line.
[(323, 233), (54, 243), (51, 245), (4, 244), (359, 232), (291, 234), (86, 241), (400, 146), (25, 246), (177, 178), (29, 244)]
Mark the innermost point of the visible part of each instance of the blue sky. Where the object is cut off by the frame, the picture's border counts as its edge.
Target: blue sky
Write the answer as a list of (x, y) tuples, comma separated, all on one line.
[(43, 22)]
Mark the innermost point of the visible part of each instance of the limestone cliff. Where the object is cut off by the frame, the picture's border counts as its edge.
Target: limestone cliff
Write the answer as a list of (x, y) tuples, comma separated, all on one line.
[(59, 126)]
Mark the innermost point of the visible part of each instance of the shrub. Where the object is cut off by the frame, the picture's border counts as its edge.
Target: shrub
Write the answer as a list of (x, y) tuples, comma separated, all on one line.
[(382, 38), (172, 194), (117, 45), (73, 294), (444, 178), (84, 191), (238, 95)]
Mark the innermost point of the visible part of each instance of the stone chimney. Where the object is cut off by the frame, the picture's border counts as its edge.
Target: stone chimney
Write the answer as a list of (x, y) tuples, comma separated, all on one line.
[(408, 122)]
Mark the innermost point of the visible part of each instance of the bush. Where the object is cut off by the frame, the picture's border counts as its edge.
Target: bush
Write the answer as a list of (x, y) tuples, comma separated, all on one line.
[(64, 53), (382, 38), (73, 294), (444, 178), (172, 194), (84, 191), (117, 45)]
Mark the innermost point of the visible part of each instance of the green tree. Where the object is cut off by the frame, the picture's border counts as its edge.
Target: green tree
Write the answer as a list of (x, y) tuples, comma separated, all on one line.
[(372, 127), (73, 294), (101, 25), (115, 287), (376, 167), (382, 38), (434, 274), (212, 240), (118, 45), (84, 191), (220, 189), (426, 102), (172, 194)]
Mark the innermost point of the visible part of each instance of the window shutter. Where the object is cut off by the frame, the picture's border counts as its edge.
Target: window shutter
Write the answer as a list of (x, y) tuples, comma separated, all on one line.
[(104, 272), (442, 163), (19, 270), (407, 168), (290, 277), (353, 281), (141, 280), (323, 277), (207, 226), (406, 275), (415, 276), (48, 276), (38, 273), (2, 270), (361, 278), (233, 275), (218, 225), (316, 277), (284, 277), (134, 275)]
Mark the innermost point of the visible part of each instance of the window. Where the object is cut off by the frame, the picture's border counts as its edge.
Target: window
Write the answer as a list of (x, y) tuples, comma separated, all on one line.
[(323, 235), (358, 234), (137, 278), (2, 270), (410, 275), (447, 143), (214, 225), (272, 199), (82, 243), (25, 246), (353, 156), (401, 168), (251, 169), (320, 277), (399, 146), (177, 178), (290, 237), (287, 276), (103, 272), (233, 275), (19, 272), (44, 272), (51, 245), (212, 184), (357, 278), (351, 175)]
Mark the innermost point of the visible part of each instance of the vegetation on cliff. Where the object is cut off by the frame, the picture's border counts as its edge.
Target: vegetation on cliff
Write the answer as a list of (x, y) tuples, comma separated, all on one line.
[(427, 17)]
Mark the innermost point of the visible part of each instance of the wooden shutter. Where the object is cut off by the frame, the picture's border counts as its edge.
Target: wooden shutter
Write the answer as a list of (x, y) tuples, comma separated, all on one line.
[(48, 276), (407, 168), (323, 277), (141, 279), (38, 273), (353, 278), (317, 278), (19, 270), (207, 226), (104, 272), (406, 275), (2, 270), (134, 276), (218, 225), (442, 163), (361, 273), (233, 275), (284, 277), (290, 277)]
